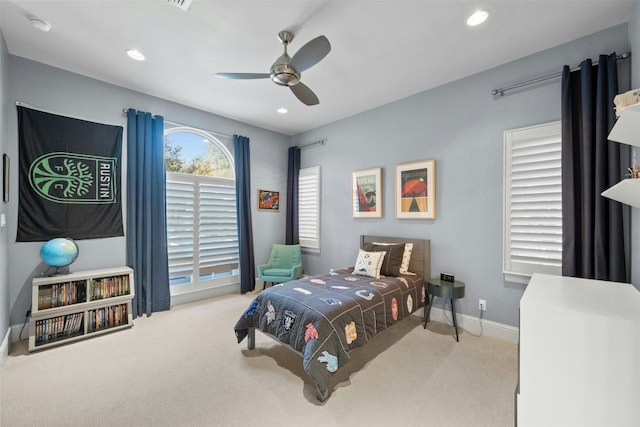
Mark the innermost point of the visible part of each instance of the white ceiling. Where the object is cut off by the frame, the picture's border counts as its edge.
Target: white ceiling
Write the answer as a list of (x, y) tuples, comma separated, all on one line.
[(382, 51)]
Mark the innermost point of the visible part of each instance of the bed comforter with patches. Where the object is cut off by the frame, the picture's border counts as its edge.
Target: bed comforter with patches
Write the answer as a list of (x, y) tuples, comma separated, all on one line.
[(324, 317)]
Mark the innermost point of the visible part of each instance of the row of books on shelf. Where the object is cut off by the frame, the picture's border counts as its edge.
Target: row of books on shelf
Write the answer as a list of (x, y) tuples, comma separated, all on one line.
[(108, 317), (55, 328), (108, 287), (61, 294)]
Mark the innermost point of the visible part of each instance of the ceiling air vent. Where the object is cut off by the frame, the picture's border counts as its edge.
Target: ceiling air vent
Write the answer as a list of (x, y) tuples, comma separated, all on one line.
[(182, 4)]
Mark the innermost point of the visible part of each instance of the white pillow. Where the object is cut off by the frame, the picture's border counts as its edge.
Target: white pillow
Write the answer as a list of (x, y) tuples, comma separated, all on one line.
[(369, 263), (406, 256)]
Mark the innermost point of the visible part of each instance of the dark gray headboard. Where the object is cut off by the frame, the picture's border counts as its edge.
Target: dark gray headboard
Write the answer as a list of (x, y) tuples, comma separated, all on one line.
[(420, 257)]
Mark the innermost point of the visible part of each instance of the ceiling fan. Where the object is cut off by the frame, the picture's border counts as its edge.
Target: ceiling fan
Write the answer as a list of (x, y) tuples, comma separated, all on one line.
[(286, 70)]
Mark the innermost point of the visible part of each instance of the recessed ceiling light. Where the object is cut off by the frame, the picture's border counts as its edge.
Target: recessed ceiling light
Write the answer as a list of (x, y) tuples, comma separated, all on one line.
[(40, 24), (477, 18), (283, 110), (135, 54)]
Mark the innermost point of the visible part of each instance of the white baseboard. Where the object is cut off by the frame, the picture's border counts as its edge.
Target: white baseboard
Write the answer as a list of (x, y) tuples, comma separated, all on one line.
[(198, 295), (473, 326), (16, 330), (4, 347)]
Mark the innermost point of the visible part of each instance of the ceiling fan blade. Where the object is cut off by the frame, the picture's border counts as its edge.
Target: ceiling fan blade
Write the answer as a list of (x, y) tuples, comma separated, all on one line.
[(310, 54), (304, 94), (243, 76)]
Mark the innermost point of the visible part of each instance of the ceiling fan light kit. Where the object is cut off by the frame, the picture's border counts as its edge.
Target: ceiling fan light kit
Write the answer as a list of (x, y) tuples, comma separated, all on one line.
[(285, 71)]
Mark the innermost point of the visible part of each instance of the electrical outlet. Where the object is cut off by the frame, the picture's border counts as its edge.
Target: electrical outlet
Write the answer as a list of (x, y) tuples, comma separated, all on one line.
[(482, 305)]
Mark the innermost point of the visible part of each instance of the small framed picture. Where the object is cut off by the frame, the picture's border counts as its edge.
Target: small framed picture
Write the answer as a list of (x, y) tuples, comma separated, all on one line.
[(268, 200), (367, 193), (416, 190)]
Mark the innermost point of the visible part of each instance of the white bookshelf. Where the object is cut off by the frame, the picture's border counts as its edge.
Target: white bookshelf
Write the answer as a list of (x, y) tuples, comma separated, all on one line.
[(75, 306)]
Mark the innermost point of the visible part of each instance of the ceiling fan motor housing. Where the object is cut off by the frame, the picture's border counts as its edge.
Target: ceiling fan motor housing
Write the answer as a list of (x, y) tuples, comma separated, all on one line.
[(282, 73)]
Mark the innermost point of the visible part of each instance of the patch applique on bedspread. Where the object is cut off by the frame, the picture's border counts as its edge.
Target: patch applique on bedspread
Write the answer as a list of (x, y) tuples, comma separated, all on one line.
[(324, 317)]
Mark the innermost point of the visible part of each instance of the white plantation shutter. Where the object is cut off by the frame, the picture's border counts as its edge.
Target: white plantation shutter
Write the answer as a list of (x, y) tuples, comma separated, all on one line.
[(309, 207), (218, 229), (532, 202), (209, 244), (180, 225)]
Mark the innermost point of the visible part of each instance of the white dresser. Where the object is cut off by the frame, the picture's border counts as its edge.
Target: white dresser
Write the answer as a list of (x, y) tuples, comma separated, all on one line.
[(579, 353)]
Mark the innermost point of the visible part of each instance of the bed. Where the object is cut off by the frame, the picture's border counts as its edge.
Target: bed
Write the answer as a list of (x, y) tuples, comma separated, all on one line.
[(323, 317)]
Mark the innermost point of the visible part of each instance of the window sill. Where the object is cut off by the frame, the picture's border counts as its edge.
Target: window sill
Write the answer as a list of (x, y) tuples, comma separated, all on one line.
[(312, 251), (510, 276)]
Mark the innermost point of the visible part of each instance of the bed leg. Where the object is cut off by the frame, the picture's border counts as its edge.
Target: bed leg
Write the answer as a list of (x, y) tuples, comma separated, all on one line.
[(251, 338), (320, 395)]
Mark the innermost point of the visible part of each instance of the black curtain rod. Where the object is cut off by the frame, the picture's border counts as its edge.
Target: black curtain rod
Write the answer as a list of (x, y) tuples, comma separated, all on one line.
[(502, 90)]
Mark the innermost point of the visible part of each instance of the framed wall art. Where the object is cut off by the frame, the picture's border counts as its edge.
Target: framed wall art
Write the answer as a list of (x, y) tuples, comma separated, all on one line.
[(416, 190), (268, 200), (367, 193)]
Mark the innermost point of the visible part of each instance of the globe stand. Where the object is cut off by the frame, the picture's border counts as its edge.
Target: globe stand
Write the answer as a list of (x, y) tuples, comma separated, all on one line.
[(59, 271)]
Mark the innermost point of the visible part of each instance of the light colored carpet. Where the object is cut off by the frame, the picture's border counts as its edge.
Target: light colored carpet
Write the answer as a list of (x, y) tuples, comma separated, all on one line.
[(184, 368)]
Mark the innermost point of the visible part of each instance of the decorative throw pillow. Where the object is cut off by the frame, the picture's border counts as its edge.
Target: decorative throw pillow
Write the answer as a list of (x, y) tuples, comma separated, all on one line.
[(368, 263), (392, 260), (406, 256)]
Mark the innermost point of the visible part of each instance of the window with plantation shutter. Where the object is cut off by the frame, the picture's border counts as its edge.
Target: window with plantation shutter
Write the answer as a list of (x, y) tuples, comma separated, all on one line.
[(532, 202), (201, 213), (309, 207), (201, 226)]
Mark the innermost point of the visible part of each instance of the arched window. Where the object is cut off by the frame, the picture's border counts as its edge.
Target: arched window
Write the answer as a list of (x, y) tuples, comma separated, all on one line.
[(201, 213)]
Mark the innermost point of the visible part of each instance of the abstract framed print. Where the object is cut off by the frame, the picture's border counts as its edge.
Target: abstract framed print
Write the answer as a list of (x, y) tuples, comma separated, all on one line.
[(416, 190), (367, 193), (268, 200)]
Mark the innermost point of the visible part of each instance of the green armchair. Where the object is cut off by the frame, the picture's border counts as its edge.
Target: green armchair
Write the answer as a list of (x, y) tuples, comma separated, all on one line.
[(285, 264)]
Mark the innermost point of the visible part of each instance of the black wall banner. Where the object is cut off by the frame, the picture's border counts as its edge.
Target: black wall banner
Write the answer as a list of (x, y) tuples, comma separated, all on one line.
[(69, 177)]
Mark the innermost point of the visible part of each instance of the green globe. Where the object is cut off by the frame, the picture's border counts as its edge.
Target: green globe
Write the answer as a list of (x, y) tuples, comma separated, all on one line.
[(59, 252)]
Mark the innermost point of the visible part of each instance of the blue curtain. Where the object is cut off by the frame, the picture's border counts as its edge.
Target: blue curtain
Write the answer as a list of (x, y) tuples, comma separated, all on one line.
[(592, 225), (146, 216), (243, 213), (292, 236)]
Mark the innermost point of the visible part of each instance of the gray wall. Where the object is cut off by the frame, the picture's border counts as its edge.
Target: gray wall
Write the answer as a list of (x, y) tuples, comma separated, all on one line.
[(69, 94), (4, 239), (461, 126)]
